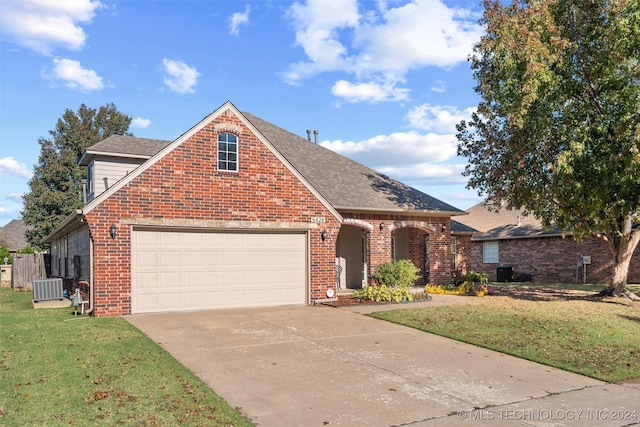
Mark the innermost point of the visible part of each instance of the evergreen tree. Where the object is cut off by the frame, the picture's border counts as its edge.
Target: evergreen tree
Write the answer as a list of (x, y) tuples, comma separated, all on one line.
[(55, 186)]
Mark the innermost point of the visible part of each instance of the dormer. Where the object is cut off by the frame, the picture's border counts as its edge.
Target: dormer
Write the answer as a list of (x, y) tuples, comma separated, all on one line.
[(113, 158)]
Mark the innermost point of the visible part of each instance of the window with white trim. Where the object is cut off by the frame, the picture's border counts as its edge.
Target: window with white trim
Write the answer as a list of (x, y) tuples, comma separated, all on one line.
[(90, 181), (490, 253), (227, 152)]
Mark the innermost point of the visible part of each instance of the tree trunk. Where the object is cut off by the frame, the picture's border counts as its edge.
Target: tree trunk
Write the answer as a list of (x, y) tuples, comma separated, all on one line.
[(618, 285), (622, 246)]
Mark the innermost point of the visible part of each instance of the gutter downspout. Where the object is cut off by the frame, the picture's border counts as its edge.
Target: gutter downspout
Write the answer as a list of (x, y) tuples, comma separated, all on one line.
[(90, 276)]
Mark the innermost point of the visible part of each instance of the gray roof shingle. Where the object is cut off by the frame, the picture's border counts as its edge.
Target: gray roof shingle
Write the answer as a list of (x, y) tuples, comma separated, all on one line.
[(13, 235), (124, 146), (345, 184), (503, 224)]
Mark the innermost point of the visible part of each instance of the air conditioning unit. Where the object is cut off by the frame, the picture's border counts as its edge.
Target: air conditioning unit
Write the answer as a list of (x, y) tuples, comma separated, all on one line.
[(47, 290)]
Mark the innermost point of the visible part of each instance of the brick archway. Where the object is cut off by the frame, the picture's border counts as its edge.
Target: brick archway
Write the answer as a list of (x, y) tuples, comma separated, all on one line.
[(425, 226), (358, 223)]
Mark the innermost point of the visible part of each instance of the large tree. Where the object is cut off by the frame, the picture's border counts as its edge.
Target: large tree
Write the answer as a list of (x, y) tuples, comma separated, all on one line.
[(55, 186), (557, 130)]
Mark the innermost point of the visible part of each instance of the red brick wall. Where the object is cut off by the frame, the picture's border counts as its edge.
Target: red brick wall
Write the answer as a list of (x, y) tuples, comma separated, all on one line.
[(464, 253), (186, 184), (554, 259), (380, 242)]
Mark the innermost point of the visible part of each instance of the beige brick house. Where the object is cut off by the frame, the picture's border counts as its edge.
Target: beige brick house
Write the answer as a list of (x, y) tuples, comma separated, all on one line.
[(238, 212)]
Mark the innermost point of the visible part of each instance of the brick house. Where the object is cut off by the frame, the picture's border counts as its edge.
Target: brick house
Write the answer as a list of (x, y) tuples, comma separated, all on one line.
[(508, 239), (237, 212)]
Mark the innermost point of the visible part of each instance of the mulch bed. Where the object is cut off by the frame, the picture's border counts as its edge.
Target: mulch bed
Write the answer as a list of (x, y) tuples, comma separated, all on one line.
[(349, 300), (524, 293)]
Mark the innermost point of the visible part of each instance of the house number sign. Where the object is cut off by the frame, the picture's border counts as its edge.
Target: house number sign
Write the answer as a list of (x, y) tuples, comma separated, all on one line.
[(317, 219)]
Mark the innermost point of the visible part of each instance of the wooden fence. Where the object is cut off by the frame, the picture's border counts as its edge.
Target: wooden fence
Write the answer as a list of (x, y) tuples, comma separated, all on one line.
[(27, 268)]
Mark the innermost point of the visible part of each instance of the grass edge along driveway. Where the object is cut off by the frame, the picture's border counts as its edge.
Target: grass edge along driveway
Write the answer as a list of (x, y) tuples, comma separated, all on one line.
[(58, 369), (597, 339)]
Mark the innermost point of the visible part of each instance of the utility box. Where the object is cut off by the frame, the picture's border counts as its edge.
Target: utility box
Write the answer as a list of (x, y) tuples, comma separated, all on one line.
[(504, 274)]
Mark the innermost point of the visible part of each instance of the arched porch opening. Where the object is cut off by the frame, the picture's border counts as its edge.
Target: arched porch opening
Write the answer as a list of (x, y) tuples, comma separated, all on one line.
[(414, 241), (352, 255)]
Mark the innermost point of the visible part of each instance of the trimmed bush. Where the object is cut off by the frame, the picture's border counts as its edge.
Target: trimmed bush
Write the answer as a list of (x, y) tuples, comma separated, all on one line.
[(393, 280)]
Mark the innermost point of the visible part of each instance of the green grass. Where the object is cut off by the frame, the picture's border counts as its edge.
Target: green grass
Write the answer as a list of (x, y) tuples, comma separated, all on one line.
[(57, 369), (597, 339)]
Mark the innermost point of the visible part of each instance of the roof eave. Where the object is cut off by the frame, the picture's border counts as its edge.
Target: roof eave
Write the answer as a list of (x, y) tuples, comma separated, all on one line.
[(75, 217), (416, 212), (508, 237), (86, 157)]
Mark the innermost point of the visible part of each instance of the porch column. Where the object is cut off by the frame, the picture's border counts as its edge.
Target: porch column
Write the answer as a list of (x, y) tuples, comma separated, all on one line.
[(379, 246)]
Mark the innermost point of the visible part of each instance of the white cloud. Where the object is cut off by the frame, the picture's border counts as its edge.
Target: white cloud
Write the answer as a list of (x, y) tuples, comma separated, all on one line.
[(380, 47), (10, 166), (42, 25), (180, 77), (74, 75), (412, 157), (428, 173), (437, 118), (397, 149), (439, 86), (318, 24), (139, 122), (238, 19), (417, 34), (371, 91)]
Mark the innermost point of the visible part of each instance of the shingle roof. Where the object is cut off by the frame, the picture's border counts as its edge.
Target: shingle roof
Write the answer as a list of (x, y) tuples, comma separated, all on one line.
[(124, 146), (344, 183), (13, 235), (503, 224), (459, 228)]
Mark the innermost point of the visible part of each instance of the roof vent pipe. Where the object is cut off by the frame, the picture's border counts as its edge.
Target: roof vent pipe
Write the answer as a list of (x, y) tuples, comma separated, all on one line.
[(315, 136), (309, 135)]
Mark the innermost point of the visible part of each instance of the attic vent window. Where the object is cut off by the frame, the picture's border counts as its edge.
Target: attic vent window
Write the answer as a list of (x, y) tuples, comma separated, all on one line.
[(227, 152)]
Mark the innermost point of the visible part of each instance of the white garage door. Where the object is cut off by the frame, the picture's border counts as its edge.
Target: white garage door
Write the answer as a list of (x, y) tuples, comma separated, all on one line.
[(182, 270)]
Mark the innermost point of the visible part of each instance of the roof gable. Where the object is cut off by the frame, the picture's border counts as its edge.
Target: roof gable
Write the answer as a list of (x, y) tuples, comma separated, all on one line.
[(225, 109), (341, 183)]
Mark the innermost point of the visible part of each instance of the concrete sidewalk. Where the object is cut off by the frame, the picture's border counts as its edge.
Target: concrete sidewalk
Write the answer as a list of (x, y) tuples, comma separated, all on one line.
[(318, 365)]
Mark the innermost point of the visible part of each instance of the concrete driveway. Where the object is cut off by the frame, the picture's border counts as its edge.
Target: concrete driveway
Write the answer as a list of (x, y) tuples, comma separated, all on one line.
[(318, 366)]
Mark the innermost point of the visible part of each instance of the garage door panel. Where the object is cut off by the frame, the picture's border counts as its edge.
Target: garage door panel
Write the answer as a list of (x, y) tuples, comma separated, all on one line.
[(174, 271)]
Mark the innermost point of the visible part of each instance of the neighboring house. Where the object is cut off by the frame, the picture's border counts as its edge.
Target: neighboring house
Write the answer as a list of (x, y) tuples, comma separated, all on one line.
[(13, 235), (508, 240), (237, 212)]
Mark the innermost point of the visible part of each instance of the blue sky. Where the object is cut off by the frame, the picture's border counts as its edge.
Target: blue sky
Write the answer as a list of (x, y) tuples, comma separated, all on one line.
[(384, 82)]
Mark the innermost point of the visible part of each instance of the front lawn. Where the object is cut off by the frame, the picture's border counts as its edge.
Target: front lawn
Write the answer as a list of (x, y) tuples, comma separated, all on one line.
[(574, 333), (58, 369)]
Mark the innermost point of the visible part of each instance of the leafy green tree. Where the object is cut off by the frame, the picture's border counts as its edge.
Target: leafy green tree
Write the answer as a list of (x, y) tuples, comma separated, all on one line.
[(26, 250), (557, 130), (4, 253), (55, 187)]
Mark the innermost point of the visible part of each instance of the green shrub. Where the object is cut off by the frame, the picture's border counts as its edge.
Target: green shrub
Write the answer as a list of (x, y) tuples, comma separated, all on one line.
[(473, 277), (4, 253), (401, 273), (393, 280)]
